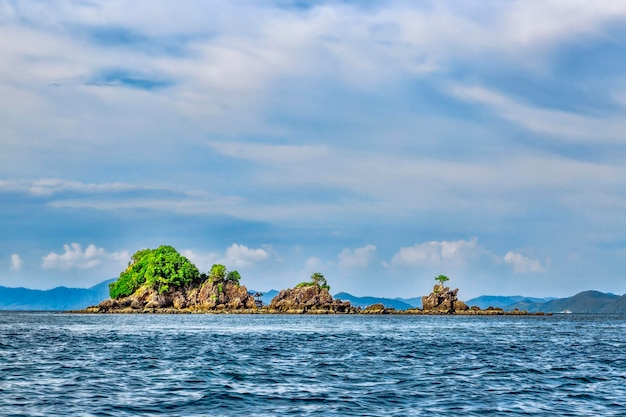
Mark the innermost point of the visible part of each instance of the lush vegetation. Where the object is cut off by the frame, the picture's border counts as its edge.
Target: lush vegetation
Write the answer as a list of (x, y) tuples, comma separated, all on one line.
[(159, 268), (316, 279), (442, 279), (164, 268), (219, 273)]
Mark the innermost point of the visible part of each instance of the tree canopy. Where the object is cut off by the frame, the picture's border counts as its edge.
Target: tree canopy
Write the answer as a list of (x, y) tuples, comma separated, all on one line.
[(219, 273), (157, 268), (316, 279), (233, 276), (442, 279)]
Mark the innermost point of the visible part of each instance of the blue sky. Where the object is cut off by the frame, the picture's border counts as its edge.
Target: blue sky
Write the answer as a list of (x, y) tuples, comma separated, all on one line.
[(380, 143)]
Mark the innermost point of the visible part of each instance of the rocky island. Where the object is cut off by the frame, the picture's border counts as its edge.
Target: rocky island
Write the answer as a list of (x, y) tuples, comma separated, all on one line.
[(443, 300), (163, 281), (310, 297)]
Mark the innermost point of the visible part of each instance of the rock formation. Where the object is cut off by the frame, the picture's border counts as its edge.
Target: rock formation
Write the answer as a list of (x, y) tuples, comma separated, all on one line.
[(378, 308), (443, 300), (311, 299), (222, 296)]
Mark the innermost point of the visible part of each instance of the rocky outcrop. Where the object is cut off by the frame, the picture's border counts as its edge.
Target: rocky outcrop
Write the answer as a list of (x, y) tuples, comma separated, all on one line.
[(378, 308), (222, 296), (442, 300), (230, 297), (311, 299)]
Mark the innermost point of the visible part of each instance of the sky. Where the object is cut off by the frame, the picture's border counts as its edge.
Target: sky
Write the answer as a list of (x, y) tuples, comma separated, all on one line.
[(381, 143)]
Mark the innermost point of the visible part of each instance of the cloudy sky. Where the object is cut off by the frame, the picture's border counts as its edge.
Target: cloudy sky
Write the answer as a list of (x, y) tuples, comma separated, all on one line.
[(379, 142)]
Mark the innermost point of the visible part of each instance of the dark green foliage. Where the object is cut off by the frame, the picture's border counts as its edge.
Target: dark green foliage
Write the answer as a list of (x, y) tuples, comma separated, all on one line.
[(160, 268), (316, 279), (319, 280), (233, 276), (442, 279), (217, 272)]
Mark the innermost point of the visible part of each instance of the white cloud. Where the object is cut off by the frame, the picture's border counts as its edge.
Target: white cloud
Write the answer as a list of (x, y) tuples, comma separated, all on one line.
[(203, 261), (248, 48), (522, 264), (557, 123), (356, 258), (538, 22), (436, 253), (268, 153), (312, 264), (16, 262), (236, 256), (73, 256), (315, 264), (499, 186), (242, 256), (52, 186)]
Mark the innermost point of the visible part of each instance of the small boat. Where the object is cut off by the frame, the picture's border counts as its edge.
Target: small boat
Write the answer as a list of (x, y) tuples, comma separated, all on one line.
[(564, 312)]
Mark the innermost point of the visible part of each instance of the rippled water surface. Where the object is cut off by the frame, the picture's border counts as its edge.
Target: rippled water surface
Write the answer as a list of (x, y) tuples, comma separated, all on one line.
[(220, 365)]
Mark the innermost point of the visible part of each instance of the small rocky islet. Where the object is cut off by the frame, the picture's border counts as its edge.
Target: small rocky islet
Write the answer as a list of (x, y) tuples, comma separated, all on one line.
[(163, 281)]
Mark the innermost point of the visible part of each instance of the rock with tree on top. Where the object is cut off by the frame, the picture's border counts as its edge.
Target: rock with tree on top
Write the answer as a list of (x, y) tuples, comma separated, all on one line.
[(442, 300), (312, 297)]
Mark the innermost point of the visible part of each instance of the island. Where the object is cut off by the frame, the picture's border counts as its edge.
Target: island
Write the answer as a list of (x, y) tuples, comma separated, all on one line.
[(163, 281)]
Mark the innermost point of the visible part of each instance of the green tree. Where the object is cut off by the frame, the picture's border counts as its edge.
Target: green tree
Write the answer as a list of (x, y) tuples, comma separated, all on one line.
[(159, 268), (319, 280), (217, 272), (442, 279), (316, 279), (233, 276)]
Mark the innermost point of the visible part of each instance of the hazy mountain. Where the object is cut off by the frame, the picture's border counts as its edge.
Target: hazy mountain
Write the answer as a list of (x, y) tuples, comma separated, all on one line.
[(413, 302), (504, 302), (397, 303), (368, 301), (617, 306), (59, 298), (584, 302), (485, 301), (527, 305)]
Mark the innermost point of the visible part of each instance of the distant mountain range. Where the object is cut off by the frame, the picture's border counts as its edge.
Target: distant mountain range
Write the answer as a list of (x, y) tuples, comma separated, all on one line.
[(59, 298), (504, 302), (586, 302), (396, 303), (62, 298)]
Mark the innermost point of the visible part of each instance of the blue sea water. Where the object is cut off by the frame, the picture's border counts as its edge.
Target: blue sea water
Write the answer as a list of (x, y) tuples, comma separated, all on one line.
[(235, 365)]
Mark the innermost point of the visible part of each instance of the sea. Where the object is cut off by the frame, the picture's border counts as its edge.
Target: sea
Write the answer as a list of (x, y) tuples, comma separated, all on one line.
[(58, 364)]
